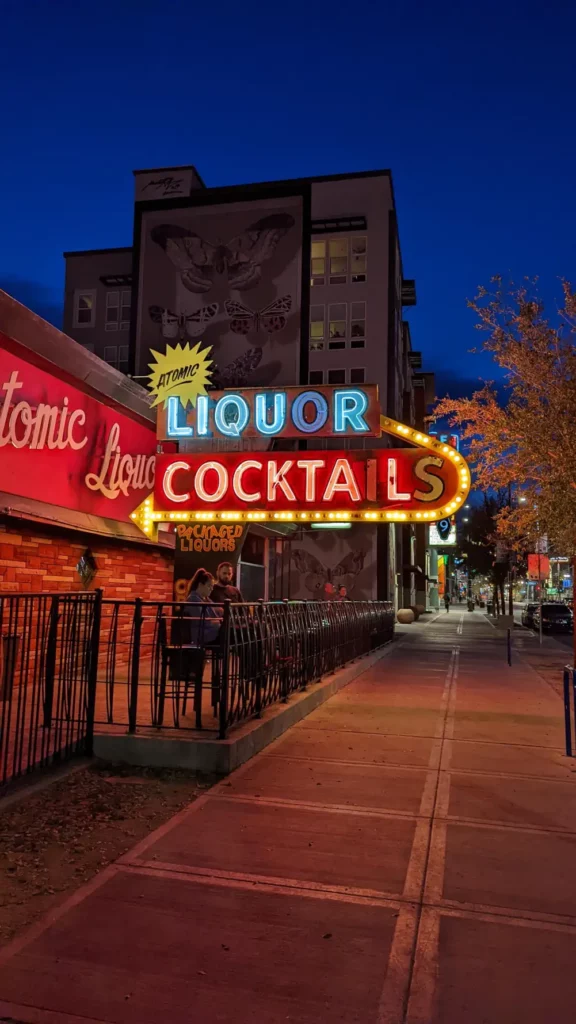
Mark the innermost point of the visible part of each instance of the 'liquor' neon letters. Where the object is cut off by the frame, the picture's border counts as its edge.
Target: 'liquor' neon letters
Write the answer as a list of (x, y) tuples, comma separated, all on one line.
[(342, 411)]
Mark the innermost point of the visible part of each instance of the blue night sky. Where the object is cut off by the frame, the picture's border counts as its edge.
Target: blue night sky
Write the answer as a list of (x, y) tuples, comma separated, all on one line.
[(471, 106)]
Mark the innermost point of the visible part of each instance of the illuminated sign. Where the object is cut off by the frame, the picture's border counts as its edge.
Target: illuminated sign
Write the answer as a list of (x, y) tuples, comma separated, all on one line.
[(180, 375), (394, 481), (538, 567), (272, 413), (443, 533), (62, 446), (451, 439), (424, 483)]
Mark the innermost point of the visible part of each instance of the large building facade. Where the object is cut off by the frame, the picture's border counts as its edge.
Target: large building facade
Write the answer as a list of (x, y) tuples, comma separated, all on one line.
[(290, 282)]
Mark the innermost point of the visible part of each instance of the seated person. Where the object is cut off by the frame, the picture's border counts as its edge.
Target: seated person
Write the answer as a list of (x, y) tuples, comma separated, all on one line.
[(206, 618)]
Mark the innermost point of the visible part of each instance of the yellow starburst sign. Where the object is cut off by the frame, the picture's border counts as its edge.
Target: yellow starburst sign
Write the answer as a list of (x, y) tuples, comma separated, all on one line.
[(181, 372)]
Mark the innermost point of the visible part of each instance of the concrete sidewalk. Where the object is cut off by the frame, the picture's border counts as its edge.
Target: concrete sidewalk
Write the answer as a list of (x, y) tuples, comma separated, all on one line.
[(405, 854)]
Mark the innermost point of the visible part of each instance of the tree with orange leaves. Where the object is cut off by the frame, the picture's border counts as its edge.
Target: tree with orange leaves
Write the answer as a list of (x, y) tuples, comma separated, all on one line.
[(526, 443)]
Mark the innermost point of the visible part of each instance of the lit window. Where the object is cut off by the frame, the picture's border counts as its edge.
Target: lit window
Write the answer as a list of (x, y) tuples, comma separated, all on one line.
[(338, 249), (337, 317), (358, 263), (318, 262), (317, 326), (336, 376), (316, 377), (111, 354), (357, 375), (316, 346), (357, 324), (84, 309)]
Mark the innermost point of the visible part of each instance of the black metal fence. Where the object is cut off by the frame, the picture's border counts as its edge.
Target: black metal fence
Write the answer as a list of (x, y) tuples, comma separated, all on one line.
[(48, 662), (70, 661), (201, 666)]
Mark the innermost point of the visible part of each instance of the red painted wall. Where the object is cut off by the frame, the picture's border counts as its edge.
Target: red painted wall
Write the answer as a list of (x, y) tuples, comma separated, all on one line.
[(35, 559)]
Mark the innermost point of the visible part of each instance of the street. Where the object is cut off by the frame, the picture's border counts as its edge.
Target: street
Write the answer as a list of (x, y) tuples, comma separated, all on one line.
[(564, 639)]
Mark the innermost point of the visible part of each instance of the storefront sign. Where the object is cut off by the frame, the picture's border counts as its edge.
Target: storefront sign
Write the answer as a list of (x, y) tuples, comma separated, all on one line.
[(393, 483), (427, 482), (204, 546), (61, 446), (442, 533), (273, 412), (180, 375)]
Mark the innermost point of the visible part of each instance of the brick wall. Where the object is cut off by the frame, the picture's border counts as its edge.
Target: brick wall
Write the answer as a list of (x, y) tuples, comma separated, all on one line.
[(41, 559)]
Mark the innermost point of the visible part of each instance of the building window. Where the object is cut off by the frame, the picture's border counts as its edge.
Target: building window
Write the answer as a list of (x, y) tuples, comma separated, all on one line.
[(118, 310), (84, 309), (338, 249), (316, 377), (337, 326), (358, 265), (357, 375), (318, 263), (336, 376), (357, 324), (123, 353), (111, 354), (317, 327), (339, 260)]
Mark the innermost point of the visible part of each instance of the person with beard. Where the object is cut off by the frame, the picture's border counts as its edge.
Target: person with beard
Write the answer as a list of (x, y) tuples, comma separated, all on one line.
[(223, 589)]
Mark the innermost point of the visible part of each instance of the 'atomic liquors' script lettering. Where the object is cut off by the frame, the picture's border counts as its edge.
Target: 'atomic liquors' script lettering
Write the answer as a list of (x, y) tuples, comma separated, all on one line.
[(57, 428), (121, 473), (43, 426)]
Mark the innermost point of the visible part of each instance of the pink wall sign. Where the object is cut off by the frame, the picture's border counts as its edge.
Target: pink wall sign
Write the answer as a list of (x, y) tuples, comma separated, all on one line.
[(62, 446)]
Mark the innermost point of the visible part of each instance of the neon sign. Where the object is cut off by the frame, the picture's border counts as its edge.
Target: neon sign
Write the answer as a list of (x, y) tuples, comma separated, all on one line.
[(390, 482), (421, 484), (60, 445), (271, 413)]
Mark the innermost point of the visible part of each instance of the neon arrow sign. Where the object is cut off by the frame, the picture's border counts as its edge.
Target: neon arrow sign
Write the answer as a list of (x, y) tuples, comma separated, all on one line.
[(424, 483)]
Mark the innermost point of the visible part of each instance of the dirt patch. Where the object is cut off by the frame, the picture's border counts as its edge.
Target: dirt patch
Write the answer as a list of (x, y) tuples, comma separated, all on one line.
[(53, 841)]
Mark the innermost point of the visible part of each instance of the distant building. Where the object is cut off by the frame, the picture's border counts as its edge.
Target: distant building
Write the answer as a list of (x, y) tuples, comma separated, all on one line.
[(291, 282)]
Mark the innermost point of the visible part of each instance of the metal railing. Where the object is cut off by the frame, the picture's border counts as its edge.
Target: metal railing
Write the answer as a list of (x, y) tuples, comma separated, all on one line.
[(570, 709), (48, 661), (70, 661), (198, 666)]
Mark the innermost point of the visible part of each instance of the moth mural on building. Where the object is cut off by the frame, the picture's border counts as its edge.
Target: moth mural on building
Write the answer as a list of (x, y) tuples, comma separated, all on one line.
[(231, 275), (341, 559), (200, 262)]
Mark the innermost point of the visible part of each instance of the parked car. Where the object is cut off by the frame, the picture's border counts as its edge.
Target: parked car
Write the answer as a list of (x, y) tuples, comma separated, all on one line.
[(556, 618), (528, 615)]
